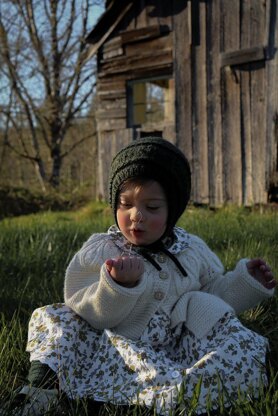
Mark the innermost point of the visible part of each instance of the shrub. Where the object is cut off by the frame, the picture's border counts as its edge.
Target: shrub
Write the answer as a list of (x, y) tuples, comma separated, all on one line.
[(21, 201)]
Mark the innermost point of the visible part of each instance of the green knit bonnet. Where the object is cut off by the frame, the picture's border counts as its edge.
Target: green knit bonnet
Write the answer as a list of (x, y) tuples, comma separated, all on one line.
[(157, 159)]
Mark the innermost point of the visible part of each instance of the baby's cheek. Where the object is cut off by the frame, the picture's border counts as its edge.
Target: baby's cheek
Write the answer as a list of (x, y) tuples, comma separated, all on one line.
[(158, 224)]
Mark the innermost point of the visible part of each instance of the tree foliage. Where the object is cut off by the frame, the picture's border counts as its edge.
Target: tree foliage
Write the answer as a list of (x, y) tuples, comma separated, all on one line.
[(46, 81)]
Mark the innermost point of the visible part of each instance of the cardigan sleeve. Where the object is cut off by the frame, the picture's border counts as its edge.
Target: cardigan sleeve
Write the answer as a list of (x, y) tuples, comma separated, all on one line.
[(238, 288), (91, 292)]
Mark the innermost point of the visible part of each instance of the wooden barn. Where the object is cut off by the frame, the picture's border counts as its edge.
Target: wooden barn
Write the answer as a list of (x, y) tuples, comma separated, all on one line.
[(201, 73)]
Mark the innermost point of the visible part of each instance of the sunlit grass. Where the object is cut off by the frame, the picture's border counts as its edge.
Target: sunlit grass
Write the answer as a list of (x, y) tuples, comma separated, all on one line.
[(36, 249)]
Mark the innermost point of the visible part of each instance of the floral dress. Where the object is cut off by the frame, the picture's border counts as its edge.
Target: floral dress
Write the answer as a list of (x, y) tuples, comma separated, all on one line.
[(155, 370)]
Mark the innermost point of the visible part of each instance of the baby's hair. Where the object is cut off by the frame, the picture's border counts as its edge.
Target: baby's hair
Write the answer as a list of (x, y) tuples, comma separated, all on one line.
[(137, 181)]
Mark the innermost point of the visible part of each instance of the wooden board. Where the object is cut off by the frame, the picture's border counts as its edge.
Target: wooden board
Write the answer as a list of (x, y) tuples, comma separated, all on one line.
[(182, 75), (231, 145), (214, 105), (199, 115), (247, 186), (272, 97), (258, 103)]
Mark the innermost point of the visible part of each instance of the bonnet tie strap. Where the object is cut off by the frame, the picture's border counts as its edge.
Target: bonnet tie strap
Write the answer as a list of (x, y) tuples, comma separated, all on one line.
[(146, 254), (175, 260)]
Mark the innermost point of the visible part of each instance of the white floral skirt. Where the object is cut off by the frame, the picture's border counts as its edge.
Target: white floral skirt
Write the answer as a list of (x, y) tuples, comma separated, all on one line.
[(152, 371)]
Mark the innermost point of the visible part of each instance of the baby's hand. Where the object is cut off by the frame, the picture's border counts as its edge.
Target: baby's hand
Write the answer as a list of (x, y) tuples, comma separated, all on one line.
[(261, 272), (125, 270)]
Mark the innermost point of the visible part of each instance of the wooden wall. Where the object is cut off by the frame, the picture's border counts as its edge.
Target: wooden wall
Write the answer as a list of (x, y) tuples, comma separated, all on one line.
[(227, 112), (222, 57), (141, 47)]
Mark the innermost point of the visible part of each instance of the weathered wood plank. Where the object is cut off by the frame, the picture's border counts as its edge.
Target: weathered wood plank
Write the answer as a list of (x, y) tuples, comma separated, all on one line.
[(143, 71), (272, 97), (111, 84), (112, 43), (111, 113), (259, 32), (182, 75), (199, 114), (169, 132), (232, 162), (112, 48), (113, 103), (113, 124), (247, 187), (258, 104), (162, 43), (143, 34), (121, 139), (109, 144), (146, 72), (112, 53), (101, 182), (124, 65), (113, 95), (145, 56), (242, 56), (214, 105), (106, 147)]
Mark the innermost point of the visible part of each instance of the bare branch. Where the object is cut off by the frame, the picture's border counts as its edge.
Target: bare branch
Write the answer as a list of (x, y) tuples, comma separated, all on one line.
[(35, 39), (43, 55), (67, 35), (23, 155), (76, 144)]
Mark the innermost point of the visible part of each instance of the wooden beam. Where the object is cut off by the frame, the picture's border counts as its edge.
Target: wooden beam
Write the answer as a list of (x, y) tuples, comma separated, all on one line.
[(182, 75), (258, 91), (245, 100), (200, 173), (96, 46), (231, 127), (215, 156), (144, 33), (243, 56), (272, 101), (122, 65)]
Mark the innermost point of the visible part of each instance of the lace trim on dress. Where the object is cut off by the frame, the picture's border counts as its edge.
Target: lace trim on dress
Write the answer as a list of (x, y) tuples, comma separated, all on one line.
[(180, 242)]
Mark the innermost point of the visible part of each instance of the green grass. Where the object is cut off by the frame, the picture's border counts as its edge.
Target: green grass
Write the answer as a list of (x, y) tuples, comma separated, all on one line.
[(35, 250)]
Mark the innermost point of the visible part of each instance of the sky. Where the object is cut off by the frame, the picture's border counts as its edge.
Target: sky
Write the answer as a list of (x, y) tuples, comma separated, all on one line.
[(31, 82), (98, 10)]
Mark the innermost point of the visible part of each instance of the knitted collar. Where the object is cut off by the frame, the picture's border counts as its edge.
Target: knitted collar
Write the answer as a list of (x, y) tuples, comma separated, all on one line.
[(169, 246), (179, 243)]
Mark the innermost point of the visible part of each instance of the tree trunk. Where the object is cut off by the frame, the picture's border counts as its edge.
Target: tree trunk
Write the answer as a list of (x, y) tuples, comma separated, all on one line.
[(54, 180)]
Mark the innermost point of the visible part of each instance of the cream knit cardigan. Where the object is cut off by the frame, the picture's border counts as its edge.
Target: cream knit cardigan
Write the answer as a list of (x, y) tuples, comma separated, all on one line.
[(199, 300)]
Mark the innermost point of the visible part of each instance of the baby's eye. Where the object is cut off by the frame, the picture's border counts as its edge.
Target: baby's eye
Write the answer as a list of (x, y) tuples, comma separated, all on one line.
[(151, 208)]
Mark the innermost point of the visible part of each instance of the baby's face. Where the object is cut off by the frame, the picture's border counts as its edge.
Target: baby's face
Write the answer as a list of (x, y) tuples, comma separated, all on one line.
[(142, 212)]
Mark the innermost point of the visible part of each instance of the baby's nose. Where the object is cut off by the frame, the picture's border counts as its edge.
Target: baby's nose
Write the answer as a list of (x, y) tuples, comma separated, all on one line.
[(137, 216)]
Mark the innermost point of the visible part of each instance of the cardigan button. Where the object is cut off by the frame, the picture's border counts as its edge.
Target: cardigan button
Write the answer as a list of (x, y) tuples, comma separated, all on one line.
[(175, 374), (159, 295), (163, 275), (161, 258)]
